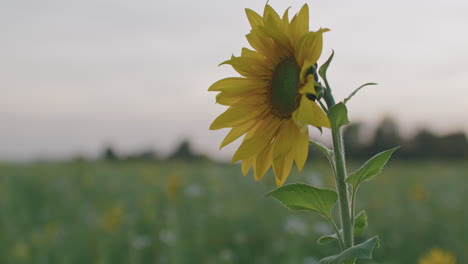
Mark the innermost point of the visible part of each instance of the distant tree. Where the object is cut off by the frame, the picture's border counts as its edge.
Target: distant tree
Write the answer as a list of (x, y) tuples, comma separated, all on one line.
[(109, 154), (79, 158), (184, 152), (354, 146), (147, 155), (386, 136), (424, 145), (454, 146)]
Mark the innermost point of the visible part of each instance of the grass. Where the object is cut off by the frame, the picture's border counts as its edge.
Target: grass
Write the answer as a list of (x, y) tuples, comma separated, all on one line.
[(181, 212)]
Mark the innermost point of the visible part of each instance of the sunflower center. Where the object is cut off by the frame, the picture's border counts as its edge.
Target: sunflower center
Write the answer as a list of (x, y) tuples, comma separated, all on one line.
[(285, 83)]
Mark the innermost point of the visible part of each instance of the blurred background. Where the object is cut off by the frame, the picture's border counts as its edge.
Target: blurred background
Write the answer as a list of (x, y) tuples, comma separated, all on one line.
[(106, 156)]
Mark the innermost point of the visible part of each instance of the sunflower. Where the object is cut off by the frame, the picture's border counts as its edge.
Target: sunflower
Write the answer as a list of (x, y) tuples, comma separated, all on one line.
[(274, 101)]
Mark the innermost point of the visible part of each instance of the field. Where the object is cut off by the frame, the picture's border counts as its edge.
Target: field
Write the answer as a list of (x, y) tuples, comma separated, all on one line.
[(182, 212)]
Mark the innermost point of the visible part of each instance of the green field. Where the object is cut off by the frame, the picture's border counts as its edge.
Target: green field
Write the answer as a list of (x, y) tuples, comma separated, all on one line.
[(182, 212)]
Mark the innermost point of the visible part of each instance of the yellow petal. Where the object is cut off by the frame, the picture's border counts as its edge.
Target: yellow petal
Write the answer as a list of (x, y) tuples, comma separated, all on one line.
[(284, 138), (274, 32), (310, 47), (260, 60), (254, 18), (247, 67), (253, 145), (236, 85), (268, 13), (256, 100), (246, 164), (236, 115), (282, 167), (310, 113), (285, 19), (301, 148), (308, 88), (246, 98), (252, 54), (225, 99), (263, 162), (250, 147), (305, 68), (237, 132), (299, 24), (261, 44)]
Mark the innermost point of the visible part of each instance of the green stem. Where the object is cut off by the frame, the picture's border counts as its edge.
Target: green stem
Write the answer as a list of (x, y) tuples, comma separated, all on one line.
[(323, 106), (340, 176), (342, 188), (328, 97), (353, 205), (337, 231), (347, 220)]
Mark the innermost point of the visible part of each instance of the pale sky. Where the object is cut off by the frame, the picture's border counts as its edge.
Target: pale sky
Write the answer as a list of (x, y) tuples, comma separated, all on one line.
[(76, 75)]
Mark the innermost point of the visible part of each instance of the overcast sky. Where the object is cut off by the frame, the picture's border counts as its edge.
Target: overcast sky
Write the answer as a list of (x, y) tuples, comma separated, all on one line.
[(76, 75)]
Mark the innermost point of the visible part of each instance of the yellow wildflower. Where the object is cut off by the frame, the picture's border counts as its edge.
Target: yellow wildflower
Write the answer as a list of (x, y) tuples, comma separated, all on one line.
[(173, 186), (112, 219), (418, 192), (21, 251), (438, 256), (51, 231)]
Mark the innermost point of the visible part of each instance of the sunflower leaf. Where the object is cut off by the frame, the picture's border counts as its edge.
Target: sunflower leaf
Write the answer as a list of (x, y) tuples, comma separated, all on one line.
[(324, 68), (327, 239), (361, 251), (338, 115), (324, 150), (320, 90), (357, 90), (370, 169), (360, 223), (299, 196)]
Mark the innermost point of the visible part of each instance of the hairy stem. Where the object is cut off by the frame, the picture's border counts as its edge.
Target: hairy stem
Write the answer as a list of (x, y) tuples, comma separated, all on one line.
[(347, 220), (353, 206), (328, 97), (342, 188), (337, 231)]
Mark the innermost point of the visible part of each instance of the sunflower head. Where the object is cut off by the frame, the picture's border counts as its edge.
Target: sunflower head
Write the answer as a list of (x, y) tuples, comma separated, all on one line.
[(273, 101)]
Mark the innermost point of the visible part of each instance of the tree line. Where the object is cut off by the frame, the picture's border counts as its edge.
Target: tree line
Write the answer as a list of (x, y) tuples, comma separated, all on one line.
[(182, 152), (425, 144)]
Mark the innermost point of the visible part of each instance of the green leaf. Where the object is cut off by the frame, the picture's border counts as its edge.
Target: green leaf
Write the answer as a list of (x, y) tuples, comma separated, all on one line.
[(327, 239), (360, 223), (323, 149), (338, 115), (361, 251), (299, 196), (320, 90), (370, 169), (357, 90), (324, 68)]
